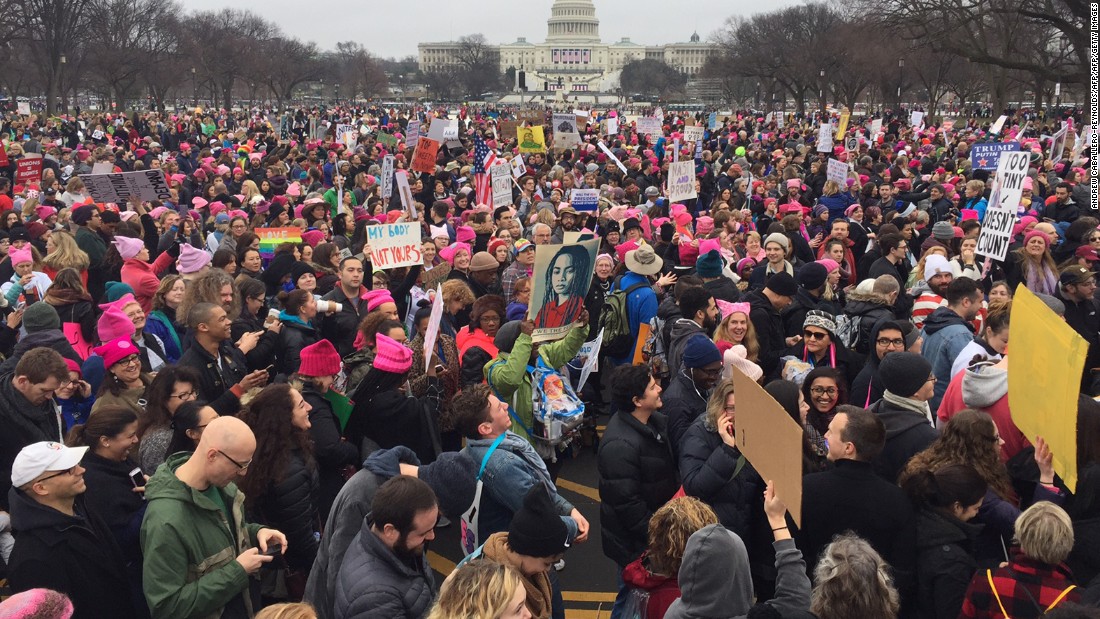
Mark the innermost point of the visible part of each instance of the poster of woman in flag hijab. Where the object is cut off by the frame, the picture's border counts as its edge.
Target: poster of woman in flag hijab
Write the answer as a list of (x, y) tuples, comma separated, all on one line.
[(562, 277)]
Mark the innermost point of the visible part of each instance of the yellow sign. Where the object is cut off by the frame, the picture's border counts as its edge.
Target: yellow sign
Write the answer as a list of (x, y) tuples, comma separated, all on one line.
[(531, 140), (1044, 373), (842, 126)]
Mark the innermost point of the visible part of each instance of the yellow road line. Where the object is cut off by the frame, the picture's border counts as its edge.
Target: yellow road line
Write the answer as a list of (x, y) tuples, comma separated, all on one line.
[(588, 596), (573, 613), (587, 491), (440, 563)]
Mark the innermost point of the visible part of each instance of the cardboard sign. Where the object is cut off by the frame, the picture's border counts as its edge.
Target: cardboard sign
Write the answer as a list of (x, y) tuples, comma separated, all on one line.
[(387, 176), (501, 179), (1000, 215), (585, 199), (681, 181), (412, 133), (986, 155), (649, 125), (825, 138), (916, 118), (424, 156), (394, 245), (388, 140), (565, 131), (837, 171), (432, 332), (693, 134), (506, 129), (612, 157), (997, 126), (562, 275), (532, 118), (531, 140), (403, 190), (518, 169), (28, 169), (118, 187), (770, 440)]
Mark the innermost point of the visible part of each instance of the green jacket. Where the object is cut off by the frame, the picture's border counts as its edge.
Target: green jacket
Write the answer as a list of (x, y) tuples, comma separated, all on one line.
[(93, 245), (333, 198), (190, 569), (511, 377)]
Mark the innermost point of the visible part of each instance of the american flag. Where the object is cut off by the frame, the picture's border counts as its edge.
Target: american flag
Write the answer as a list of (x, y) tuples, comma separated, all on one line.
[(484, 158)]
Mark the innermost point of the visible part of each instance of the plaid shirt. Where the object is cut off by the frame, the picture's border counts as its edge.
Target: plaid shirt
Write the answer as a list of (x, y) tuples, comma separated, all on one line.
[(1014, 583)]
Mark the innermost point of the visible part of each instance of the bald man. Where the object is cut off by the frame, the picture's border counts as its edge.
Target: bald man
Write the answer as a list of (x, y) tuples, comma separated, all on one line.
[(199, 552)]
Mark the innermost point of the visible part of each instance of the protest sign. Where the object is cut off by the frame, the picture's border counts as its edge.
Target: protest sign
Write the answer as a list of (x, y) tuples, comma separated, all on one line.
[(412, 135), (562, 275), (842, 126), (346, 135), (388, 140), (443, 129), (146, 184), (518, 169), (837, 171), (770, 440), (876, 127), (585, 199), (693, 134), (571, 237), (613, 125), (270, 238), (103, 167), (681, 181), (4, 156), (403, 190), (432, 332), (23, 107), (612, 157), (825, 138), (531, 140), (712, 121), (649, 125), (532, 118), (589, 357), (1052, 356), (425, 155), (506, 129), (394, 245), (1058, 143), (1000, 215), (501, 180), (29, 169), (986, 155), (387, 176), (851, 145), (565, 131), (997, 126), (916, 118)]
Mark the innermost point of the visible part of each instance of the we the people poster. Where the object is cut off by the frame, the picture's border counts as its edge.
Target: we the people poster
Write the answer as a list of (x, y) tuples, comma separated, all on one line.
[(562, 276)]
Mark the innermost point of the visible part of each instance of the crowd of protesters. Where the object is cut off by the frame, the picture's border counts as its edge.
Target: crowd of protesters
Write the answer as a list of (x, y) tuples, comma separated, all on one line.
[(195, 423)]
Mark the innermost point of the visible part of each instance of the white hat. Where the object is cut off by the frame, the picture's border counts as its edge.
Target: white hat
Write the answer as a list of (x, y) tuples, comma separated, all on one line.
[(37, 458), (934, 265)]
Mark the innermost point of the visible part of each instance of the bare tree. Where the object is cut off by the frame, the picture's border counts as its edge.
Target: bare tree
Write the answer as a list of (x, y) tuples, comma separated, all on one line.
[(52, 29), (360, 73), (132, 37), (226, 45), (286, 63), (480, 64)]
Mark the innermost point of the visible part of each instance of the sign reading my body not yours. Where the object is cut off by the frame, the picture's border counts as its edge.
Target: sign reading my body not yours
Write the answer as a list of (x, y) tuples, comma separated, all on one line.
[(394, 245)]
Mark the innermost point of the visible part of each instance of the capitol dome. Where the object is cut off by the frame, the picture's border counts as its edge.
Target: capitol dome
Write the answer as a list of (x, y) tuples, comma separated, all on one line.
[(573, 21)]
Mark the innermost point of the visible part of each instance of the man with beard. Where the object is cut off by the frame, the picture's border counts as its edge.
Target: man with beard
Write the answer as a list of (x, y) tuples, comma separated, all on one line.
[(938, 276), (699, 315), (567, 220), (385, 572)]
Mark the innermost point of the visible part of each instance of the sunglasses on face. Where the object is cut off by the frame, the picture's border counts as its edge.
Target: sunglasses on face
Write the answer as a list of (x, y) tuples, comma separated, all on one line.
[(814, 335)]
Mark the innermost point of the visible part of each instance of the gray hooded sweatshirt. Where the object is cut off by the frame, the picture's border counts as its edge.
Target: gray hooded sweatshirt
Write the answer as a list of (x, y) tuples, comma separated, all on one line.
[(715, 582)]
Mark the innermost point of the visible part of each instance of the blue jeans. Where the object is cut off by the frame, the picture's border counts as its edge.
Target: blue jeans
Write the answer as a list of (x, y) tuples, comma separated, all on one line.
[(620, 596)]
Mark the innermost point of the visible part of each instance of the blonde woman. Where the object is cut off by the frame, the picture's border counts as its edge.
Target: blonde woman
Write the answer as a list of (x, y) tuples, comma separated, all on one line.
[(62, 252), (250, 191), (736, 328), (482, 589), (74, 192), (294, 610)]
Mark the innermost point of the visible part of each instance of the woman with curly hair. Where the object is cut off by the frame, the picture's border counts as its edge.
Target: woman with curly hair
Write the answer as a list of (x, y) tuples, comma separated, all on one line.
[(655, 572), (282, 484), (971, 437), (852, 580), (482, 589)]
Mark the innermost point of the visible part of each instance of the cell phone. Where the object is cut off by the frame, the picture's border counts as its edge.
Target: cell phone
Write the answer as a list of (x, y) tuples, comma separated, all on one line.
[(273, 550), (439, 368), (137, 477)]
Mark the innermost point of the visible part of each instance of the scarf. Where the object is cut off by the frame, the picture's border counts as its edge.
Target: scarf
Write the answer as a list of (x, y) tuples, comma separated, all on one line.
[(537, 586), (908, 404), (1040, 279), (64, 296)]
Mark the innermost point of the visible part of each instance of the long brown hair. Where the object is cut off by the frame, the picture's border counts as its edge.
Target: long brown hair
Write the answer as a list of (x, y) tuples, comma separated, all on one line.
[(269, 415), (968, 438)]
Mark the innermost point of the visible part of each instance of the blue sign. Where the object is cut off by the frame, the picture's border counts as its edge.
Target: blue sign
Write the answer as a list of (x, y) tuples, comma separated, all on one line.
[(585, 199), (985, 155), (712, 121)]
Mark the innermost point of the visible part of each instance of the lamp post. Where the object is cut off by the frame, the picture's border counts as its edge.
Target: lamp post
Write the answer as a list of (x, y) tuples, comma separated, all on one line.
[(61, 83), (821, 94), (194, 89), (1057, 95), (901, 67)]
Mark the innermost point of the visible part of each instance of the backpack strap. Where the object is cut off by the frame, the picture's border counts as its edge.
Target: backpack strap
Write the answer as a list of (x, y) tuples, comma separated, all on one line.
[(996, 596), (511, 409), (1060, 597), (492, 448)]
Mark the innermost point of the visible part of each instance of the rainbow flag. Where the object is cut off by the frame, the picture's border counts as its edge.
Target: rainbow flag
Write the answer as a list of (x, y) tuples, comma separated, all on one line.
[(270, 238)]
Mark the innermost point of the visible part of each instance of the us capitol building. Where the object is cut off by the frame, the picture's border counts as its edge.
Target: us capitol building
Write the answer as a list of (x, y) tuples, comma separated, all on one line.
[(573, 59)]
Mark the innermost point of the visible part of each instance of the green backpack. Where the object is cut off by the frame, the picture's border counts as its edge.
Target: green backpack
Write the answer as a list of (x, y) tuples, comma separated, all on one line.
[(615, 322)]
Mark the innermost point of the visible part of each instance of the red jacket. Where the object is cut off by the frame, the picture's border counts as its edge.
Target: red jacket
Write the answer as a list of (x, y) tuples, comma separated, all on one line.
[(1025, 588), (142, 277), (662, 590), (479, 338), (986, 391)]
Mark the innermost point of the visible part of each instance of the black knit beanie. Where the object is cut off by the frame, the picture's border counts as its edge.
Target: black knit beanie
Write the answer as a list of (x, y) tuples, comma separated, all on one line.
[(536, 529)]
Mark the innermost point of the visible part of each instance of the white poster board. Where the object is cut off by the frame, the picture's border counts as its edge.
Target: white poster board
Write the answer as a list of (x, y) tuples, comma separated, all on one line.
[(1000, 215), (681, 181), (585, 199), (693, 134), (412, 133), (432, 332), (346, 135), (518, 169), (916, 118), (997, 126), (387, 176), (501, 179), (613, 125), (118, 188), (825, 138), (565, 131), (403, 190), (837, 171), (394, 245), (649, 125), (876, 127), (612, 157)]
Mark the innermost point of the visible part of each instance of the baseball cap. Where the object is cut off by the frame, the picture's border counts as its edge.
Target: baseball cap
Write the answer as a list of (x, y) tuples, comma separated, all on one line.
[(1087, 253), (1075, 274), (37, 458)]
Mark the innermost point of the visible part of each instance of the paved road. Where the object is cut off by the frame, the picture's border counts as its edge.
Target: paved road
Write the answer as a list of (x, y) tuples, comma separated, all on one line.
[(588, 580)]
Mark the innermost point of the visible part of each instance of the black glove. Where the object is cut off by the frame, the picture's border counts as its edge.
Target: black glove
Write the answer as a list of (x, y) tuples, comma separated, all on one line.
[(174, 249)]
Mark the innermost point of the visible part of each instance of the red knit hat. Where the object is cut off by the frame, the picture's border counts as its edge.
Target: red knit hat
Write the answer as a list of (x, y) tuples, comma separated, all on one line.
[(319, 359)]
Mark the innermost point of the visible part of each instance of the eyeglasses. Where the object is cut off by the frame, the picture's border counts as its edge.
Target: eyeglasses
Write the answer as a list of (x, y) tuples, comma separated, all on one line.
[(814, 335), (931, 379), (889, 343), (186, 395), (240, 467), (71, 471), (824, 390), (65, 384), (131, 360)]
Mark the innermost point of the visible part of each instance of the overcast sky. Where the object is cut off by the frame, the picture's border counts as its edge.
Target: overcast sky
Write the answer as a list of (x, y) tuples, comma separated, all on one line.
[(391, 29)]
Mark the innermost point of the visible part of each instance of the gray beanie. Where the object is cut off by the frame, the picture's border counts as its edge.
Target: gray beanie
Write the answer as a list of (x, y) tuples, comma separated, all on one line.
[(943, 231), (506, 336), (904, 373), (453, 479), (40, 316)]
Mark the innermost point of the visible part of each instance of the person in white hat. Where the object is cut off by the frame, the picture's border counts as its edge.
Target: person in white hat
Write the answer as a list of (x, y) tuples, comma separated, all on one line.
[(61, 544)]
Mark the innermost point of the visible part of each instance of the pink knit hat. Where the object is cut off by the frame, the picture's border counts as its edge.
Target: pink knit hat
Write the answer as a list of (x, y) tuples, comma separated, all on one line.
[(128, 247), (704, 225), (113, 324), (319, 359), (192, 260), (376, 298), (448, 252), (116, 350), (313, 237), (34, 602), (829, 264), (391, 356), (465, 234), (19, 256), (44, 212)]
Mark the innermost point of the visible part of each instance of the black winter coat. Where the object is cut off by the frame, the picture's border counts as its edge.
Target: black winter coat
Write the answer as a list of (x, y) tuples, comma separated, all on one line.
[(81, 313), (391, 419), (340, 328), (23, 424), (331, 451), (74, 555), (945, 564), (216, 381), (769, 331), (795, 313), (707, 466), (907, 433), (682, 404), (290, 505), (637, 476), (292, 339), (263, 354), (723, 289)]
